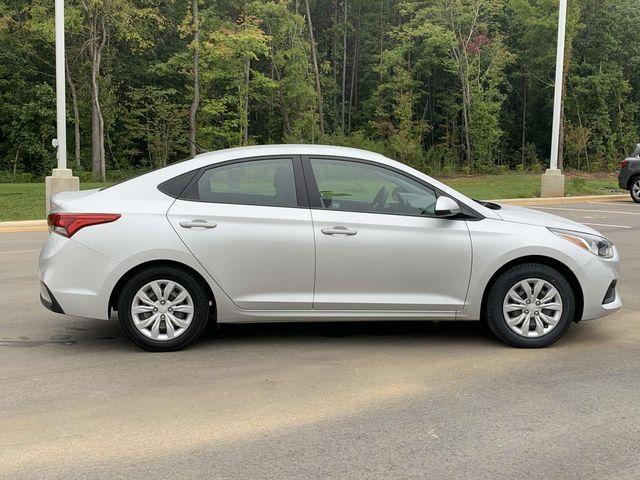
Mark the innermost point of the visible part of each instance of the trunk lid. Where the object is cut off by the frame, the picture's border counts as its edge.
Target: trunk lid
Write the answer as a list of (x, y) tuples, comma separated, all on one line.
[(59, 199)]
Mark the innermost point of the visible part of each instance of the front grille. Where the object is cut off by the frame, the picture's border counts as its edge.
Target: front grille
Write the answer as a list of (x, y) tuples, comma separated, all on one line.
[(610, 296)]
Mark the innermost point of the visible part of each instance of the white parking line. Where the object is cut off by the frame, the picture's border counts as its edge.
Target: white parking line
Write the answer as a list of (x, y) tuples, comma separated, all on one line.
[(604, 225), (587, 210), (628, 204)]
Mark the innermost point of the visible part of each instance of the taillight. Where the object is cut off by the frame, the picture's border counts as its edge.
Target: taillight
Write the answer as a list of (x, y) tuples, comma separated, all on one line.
[(623, 164), (67, 224)]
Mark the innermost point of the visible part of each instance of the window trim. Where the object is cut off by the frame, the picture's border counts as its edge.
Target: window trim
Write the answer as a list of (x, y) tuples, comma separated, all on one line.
[(314, 193), (302, 198)]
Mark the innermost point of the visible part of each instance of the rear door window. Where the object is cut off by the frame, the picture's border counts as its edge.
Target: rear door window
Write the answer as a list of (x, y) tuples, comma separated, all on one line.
[(267, 182)]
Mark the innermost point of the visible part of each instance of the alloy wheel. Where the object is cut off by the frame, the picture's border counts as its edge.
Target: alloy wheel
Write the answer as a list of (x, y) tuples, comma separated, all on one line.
[(532, 307), (162, 310)]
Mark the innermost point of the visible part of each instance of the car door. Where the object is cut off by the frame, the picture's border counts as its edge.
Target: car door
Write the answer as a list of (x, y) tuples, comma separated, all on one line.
[(379, 245), (250, 227)]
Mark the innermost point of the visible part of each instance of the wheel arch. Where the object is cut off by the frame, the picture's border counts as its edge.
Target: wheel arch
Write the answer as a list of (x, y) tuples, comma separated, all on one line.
[(550, 262), (632, 179), (115, 292)]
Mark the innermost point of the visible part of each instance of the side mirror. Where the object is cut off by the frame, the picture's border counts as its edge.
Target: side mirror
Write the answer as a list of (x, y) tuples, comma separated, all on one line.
[(446, 207)]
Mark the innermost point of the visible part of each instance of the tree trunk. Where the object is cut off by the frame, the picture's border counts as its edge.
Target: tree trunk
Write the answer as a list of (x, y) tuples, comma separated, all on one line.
[(15, 161), (98, 166), (334, 42), (314, 58), (76, 114), (245, 115), (196, 79), (285, 115), (465, 119), (344, 64), (381, 40), (561, 140), (354, 63), (524, 117)]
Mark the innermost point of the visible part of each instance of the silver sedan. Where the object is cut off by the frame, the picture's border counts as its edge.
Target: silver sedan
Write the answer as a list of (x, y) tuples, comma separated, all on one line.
[(316, 233)]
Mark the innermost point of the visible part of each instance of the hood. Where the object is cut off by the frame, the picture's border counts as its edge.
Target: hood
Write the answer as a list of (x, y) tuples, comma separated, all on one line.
[(61, 198), (529, 216)]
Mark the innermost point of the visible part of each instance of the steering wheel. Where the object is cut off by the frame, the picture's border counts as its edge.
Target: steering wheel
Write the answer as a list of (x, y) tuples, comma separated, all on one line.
[(380, 198)]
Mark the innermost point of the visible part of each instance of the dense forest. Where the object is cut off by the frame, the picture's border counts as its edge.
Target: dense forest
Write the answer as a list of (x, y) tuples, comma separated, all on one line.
[(443, 85)]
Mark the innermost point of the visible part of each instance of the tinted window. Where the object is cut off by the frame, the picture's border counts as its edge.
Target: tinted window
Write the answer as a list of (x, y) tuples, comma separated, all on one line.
[(258, 182), (362, 187), (176, 186)]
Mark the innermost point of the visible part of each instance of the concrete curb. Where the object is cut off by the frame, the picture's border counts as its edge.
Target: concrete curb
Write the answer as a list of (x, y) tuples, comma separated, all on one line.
[(41, 225), (24, 226), (564, 200)]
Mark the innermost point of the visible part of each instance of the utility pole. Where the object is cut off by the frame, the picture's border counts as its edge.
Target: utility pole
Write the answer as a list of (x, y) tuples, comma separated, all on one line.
[(61, 178), (553, 179)]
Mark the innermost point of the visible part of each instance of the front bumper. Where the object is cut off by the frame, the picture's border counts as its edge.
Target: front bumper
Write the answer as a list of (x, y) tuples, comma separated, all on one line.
[(600, 299)]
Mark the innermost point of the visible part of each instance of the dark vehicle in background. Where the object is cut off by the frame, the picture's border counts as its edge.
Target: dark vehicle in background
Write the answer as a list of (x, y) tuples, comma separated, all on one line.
[(629, 176)]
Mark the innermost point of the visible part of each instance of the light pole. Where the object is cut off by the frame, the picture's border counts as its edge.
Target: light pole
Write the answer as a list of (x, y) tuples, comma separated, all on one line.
[(61, 178), (552, 179), (61, 121)]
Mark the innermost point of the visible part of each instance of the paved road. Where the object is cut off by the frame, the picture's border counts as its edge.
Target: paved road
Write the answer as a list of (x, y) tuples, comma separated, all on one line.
[(379, 400)]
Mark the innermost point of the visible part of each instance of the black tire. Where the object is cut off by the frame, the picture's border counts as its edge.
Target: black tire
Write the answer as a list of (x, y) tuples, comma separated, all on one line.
[(193, 286), (500, 288), (635, 197)]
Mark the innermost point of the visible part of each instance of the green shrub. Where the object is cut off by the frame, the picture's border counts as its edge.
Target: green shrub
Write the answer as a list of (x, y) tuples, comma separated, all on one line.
[(447, 170), (502, 169), (485, 168), (595, 166), (20, 177), (528, 154), (577, 183)]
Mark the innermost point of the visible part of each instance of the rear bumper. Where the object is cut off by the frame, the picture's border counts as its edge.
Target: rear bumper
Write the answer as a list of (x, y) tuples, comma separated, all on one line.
[(623, 180), (48, 300), (73, 278)]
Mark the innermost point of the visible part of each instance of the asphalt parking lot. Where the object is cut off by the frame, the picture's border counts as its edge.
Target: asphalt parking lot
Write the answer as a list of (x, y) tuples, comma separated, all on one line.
[(372, 400)]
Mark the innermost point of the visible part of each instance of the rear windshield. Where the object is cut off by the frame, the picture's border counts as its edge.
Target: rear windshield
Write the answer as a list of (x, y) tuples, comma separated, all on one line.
[(636, 152)]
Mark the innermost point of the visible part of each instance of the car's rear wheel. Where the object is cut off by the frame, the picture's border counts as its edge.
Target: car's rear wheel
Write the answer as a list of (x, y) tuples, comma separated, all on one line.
[(530, 306), (634, 189), (163, 308)]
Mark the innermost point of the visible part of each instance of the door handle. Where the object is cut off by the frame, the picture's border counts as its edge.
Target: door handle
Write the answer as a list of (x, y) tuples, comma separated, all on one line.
[(338, 231), (197, 224)]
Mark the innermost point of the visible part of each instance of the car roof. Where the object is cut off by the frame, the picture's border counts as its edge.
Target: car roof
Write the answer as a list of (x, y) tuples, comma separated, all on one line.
[(288, 149), (255, 151)]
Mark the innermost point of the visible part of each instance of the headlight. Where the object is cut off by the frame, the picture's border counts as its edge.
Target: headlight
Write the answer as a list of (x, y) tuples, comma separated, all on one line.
[(595, 244)]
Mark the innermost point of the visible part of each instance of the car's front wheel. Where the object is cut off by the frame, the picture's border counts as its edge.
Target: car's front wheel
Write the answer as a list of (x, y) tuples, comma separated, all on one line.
[(163, 308), (530, 305), (634, 190)]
